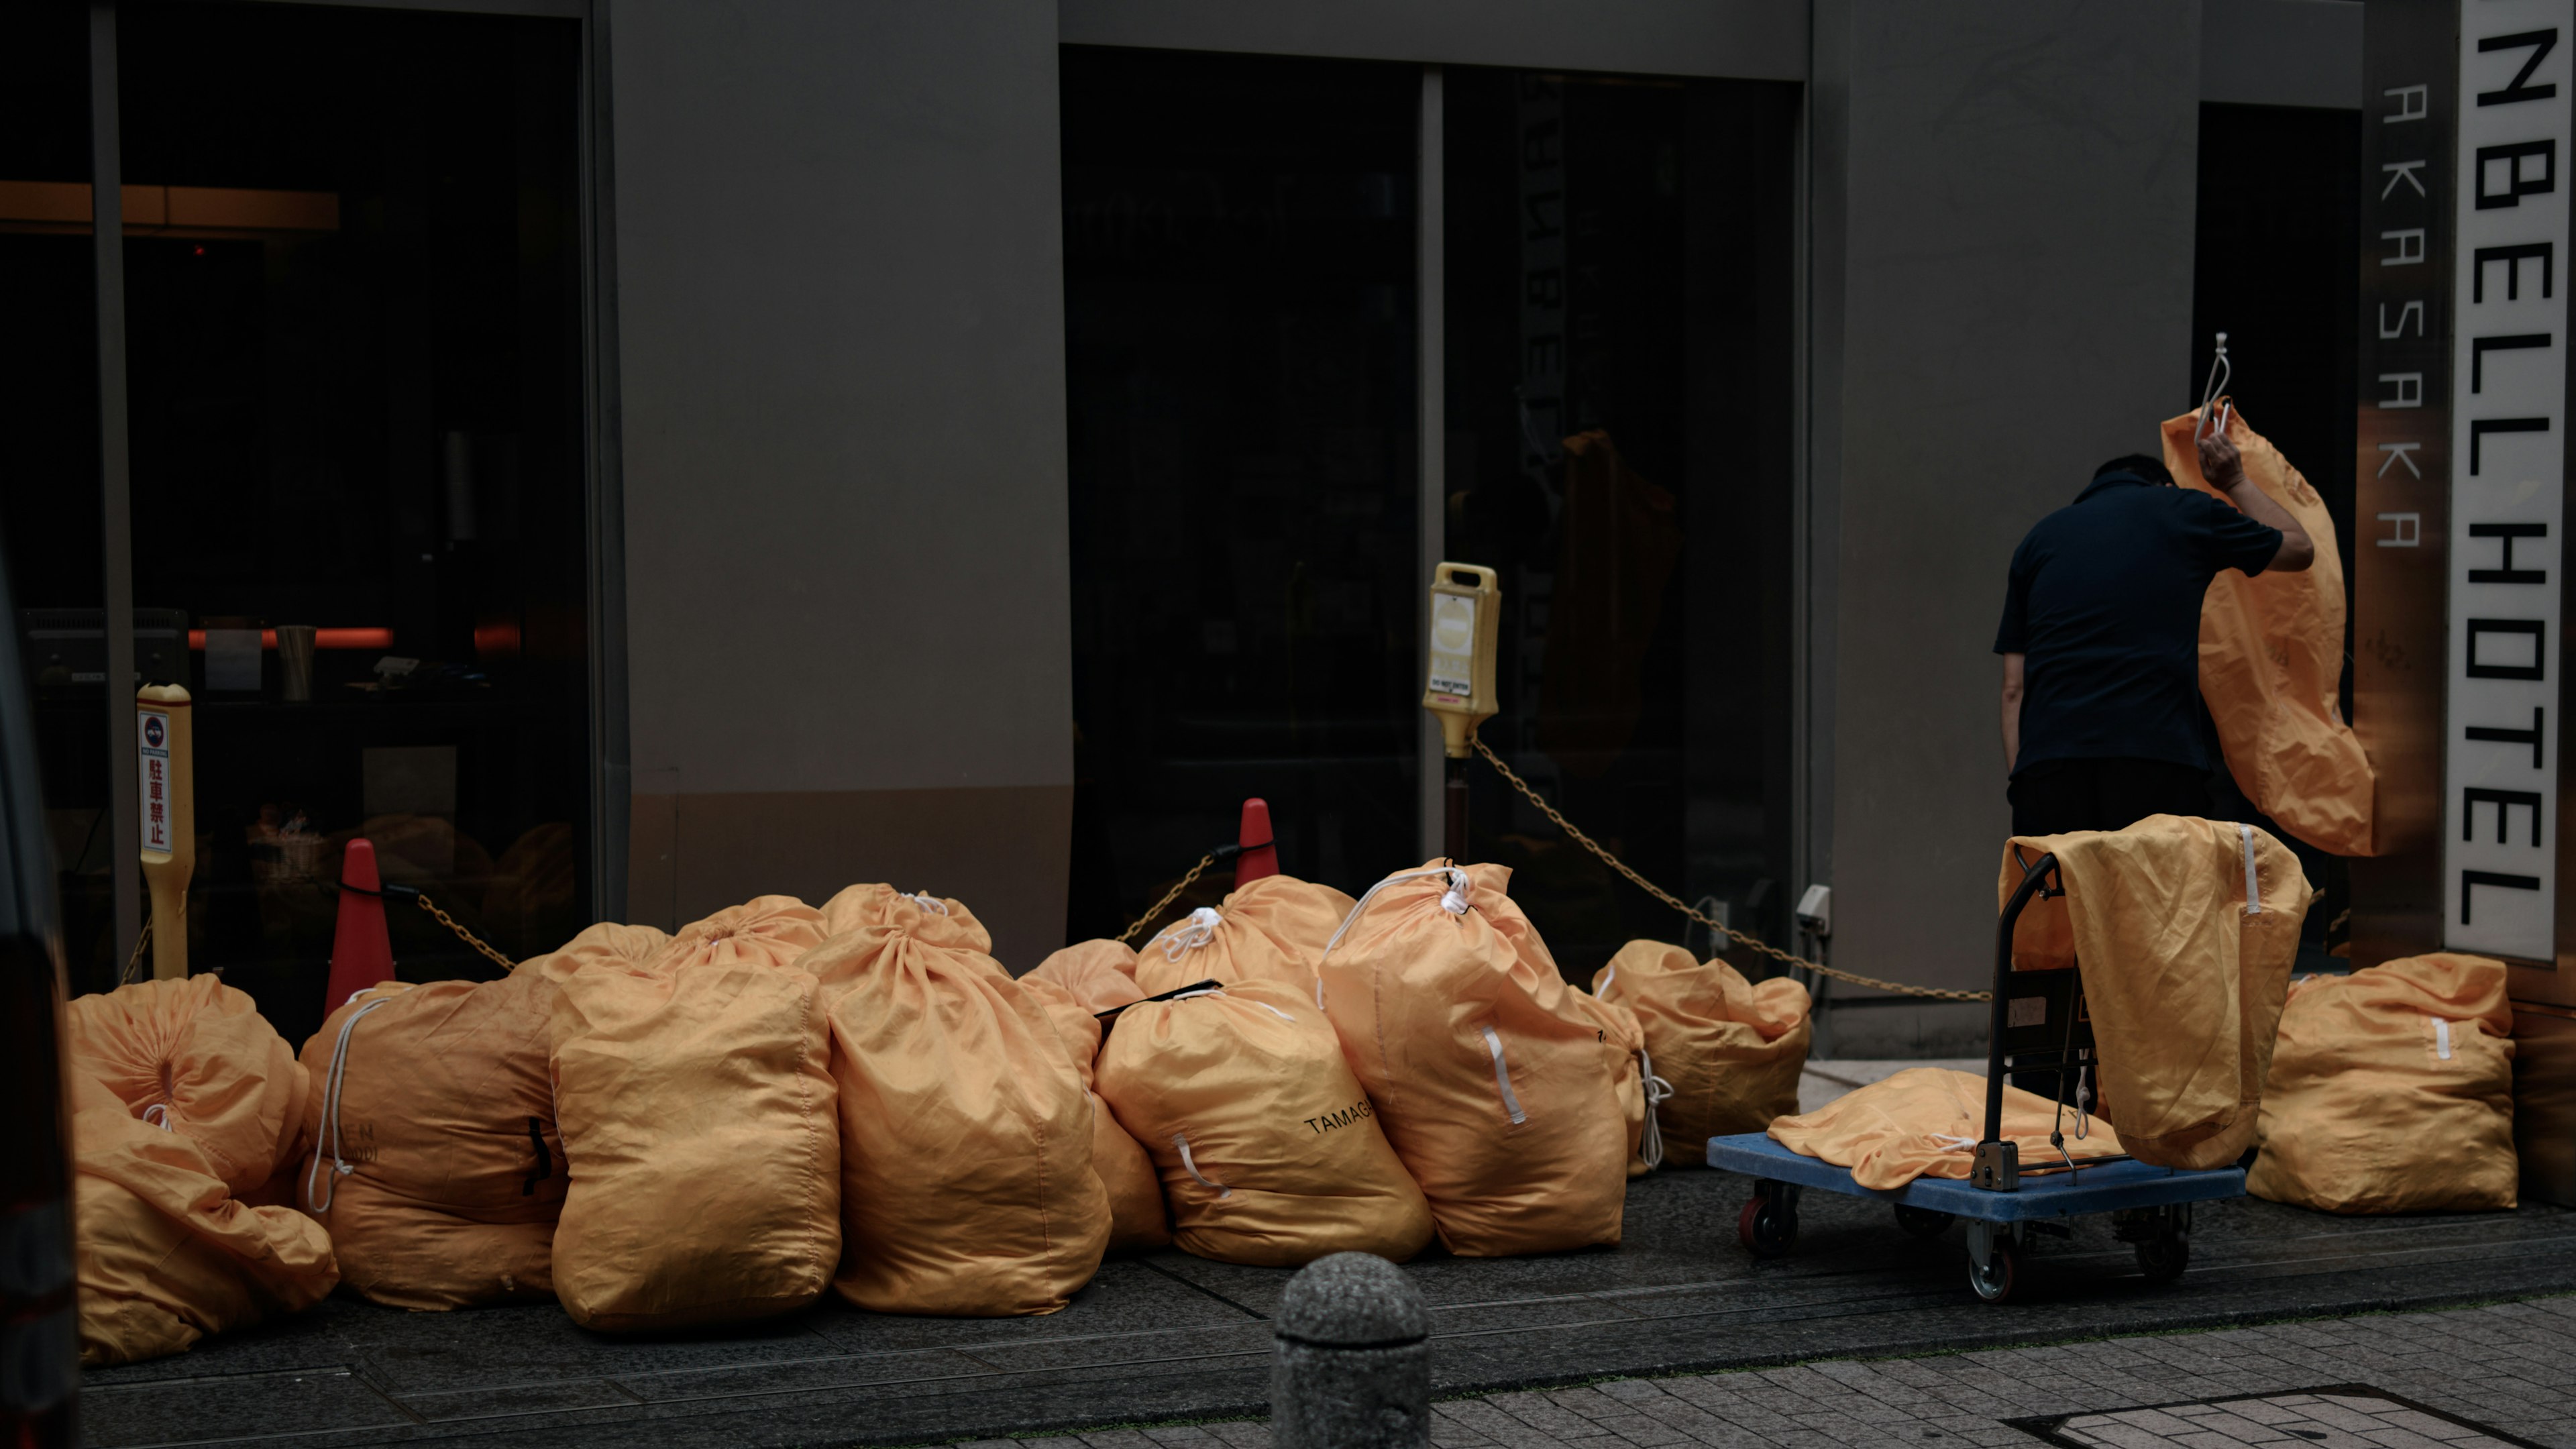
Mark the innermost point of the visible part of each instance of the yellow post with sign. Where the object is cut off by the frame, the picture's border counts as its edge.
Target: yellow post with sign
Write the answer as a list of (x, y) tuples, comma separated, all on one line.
[(163, 740), (1466, 606)]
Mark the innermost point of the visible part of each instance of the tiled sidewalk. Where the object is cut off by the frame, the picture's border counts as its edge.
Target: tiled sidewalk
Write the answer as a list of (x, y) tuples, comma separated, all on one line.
[(2508, 1367)]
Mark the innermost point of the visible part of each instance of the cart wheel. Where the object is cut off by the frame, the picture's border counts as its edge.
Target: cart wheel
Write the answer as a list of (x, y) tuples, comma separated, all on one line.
[(1768, 1226), (1922, 1222), (2163, 1257), (1996, 1278)]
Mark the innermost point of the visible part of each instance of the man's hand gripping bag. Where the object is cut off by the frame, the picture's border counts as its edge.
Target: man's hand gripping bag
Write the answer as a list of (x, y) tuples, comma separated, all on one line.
[(1515, 1100), (1272, 929), (1728, 1051), (435, 1161), (2392, 1091), (694, 1098), (1269, 1151), (967, 1187), (1075, 985)]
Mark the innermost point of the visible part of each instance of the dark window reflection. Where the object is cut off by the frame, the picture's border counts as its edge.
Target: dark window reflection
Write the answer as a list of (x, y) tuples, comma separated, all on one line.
[(1239, 302), (353, 322), (1619, 305)]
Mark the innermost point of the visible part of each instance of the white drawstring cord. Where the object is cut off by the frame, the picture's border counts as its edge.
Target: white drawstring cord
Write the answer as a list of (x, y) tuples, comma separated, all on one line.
[(1503, 1077), (158, 1114), (2441, 1038), (1220, 991), (1948, 1143), (926, 901), (1181, 1140), (1189, 934), (2253, 892), (2083, 1102), (1453, 900), (1650, 1141), (339, 1071), (1604, 988), (2220, 371)]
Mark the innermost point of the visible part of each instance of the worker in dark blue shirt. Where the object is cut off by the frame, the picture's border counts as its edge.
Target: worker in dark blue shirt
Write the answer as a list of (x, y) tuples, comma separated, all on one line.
[(2101, 640)]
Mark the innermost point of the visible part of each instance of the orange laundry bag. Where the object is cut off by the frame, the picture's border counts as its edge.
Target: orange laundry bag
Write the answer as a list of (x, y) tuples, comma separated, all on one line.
[(1927, 1121), (967, 1182), (1271, 929), (881, 905), (195, 1056), (1270, 1153), (1514, 1100), (2392, 1091), (695, 1109), (1100, 974), (609, 943), (165, 1254), (2271, 662), (763, 931), (435, 1163), (1136, 1216), (2183, 984), (1730, 1051)]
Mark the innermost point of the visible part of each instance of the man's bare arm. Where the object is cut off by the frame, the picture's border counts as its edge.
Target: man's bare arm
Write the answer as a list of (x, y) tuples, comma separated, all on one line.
[(2012, 711), (2226, 473)]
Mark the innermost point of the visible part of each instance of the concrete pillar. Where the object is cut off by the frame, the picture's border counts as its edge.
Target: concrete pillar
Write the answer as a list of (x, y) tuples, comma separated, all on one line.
[(1354, 1364)]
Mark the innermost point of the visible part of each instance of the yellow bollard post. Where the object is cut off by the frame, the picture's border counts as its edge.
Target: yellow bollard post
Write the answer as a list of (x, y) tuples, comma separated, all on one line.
[(163, 744), (1466, 604)]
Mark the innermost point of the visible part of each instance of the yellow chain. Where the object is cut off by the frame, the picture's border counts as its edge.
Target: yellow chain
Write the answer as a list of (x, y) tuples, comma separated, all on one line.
[(1659, 893), (1169, 896), (462, 934)]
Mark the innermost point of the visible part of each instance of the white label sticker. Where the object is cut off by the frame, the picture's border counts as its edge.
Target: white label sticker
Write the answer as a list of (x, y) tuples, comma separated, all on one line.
[(1453, 645), (2028, 1011), (152, 750)]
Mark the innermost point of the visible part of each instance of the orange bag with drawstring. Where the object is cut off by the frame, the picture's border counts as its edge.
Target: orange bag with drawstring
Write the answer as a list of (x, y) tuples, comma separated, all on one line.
[(1136, 1216), (1514, 1100), (1271, 929), (1099, 974), (967, 1182), (1269, 1151), (2271, 661), (694, 1099), (1927, 1121), (2392, 1091), (610, 943), (165, 1254), (1730, 1051), (195, 1056), (435, 1163)]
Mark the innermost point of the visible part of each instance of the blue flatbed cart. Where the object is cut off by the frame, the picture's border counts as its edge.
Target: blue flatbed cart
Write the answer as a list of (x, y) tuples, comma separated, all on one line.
[(2039, 1025)]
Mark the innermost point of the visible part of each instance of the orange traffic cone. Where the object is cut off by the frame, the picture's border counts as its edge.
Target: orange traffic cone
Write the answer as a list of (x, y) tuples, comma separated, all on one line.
[(362, 955), (1260, 855)]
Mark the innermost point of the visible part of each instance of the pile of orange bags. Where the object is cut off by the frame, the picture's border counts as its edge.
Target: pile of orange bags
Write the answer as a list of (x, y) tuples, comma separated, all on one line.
[(1729, 1051), (1271, 929), (2271, 662), (694, 1101), (1514, 1100), (1270, 1153), (1075, 985), (184, 1104), (966, 1130), (1927, 1121), (2392, 1091), (2183, 981), (435, 1161)]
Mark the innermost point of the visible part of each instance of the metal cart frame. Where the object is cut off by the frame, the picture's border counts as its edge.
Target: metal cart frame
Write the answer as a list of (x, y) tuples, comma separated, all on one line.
[(2002, 1204)]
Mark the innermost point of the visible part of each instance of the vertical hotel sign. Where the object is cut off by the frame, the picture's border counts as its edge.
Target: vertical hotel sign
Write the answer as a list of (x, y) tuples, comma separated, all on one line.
[(2508, 451)]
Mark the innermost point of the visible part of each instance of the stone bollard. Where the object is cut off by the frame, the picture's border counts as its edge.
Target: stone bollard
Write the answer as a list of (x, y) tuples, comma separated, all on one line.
[(1354, 1364)]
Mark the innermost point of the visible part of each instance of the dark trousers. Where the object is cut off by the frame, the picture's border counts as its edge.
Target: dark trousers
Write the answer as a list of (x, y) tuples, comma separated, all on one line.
[(2056, 796)]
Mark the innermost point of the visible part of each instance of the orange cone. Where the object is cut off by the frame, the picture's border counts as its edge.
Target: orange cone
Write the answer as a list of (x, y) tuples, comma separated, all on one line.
[(362, 955), (1260, 855)]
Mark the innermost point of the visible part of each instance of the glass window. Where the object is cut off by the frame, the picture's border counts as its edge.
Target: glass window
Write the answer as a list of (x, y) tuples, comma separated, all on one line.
[(1620, 408), (1240, 320), (353, 319)]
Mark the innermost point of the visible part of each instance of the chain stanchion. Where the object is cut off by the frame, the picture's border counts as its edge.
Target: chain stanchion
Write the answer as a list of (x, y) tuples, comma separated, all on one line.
[(1169, 896), (462, 934), (1750, 943)]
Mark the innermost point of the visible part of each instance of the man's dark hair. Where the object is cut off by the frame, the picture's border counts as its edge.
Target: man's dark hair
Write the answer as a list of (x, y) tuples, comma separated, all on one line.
[(2139, 465)]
